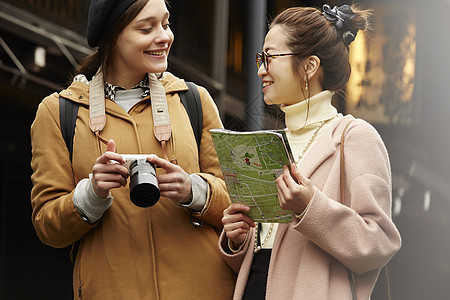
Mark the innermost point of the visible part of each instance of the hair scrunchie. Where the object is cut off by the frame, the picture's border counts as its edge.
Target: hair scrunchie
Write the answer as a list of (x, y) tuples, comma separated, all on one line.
[(339, 16)]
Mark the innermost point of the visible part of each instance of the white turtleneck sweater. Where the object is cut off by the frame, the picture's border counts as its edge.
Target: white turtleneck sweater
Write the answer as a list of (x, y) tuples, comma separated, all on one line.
[(303, 130)]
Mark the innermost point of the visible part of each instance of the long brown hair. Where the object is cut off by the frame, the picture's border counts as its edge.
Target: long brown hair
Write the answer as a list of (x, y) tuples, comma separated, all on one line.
[(308, 32), (103, 57)]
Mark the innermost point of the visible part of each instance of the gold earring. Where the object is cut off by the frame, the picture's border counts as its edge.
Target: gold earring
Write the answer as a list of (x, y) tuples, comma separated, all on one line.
[(306, 82)]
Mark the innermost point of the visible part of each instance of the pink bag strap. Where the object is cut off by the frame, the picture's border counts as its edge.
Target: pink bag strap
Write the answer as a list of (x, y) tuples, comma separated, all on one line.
[(351, 275)]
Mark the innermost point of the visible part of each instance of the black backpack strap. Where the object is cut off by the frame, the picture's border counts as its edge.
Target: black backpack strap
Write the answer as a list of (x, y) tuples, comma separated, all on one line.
[(68, 112), (193, 105)]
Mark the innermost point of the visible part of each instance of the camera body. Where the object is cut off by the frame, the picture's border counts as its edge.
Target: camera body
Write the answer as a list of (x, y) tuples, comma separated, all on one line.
[(144, 189)]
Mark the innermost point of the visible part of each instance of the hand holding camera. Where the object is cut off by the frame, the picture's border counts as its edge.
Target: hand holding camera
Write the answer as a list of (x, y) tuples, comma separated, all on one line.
[(175, 184), (146, 187), (107, 175), (112, 170)]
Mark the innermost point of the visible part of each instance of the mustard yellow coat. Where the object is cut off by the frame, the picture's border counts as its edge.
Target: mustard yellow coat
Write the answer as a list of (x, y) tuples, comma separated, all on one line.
[(132, 252)]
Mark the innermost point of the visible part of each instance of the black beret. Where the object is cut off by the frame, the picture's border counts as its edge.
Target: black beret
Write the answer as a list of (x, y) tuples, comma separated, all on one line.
[(102, 15)]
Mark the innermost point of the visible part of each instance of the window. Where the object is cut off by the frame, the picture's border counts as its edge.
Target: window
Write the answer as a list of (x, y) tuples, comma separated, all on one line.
[(381, 86)]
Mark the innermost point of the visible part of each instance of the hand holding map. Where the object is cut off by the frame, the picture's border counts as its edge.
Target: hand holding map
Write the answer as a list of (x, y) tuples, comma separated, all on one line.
[(251, 162)]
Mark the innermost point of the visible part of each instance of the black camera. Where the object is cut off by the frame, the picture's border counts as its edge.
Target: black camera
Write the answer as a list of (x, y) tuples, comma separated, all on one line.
[(144, 190)]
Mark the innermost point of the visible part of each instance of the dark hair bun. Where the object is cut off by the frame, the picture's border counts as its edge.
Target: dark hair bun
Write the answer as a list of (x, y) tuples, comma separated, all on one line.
[(341, 17)]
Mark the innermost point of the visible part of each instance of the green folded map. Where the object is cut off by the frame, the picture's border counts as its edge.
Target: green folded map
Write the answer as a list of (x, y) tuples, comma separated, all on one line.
[(251, 161)]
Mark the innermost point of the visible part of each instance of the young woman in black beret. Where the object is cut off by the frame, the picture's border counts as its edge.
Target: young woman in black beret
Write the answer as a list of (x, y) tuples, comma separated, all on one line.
[(165, 248)]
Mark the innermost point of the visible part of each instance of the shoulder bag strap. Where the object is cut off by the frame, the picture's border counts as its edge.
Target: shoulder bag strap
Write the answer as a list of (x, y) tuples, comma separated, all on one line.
[(351, 276)]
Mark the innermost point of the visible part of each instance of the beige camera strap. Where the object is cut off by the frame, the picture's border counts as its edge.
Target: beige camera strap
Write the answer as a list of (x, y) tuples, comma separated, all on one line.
[(97, 116), (160, 111)]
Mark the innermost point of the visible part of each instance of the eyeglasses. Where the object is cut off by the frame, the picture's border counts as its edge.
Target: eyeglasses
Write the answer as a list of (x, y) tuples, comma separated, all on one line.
[(263, 58)]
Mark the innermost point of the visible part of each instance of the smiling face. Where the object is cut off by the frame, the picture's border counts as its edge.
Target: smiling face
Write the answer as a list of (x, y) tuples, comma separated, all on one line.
[(281, 85), (143, 45)]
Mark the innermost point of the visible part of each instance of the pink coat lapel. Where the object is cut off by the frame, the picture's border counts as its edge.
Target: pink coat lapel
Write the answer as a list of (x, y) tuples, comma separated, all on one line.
[(325, 146)]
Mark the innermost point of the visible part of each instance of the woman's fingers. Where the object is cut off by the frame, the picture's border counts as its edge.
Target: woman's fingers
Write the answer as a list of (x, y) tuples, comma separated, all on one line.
[(297, 176), (162, 163), (176, 183), (294, 190), (108, 172), (236, 223), (235, 213)]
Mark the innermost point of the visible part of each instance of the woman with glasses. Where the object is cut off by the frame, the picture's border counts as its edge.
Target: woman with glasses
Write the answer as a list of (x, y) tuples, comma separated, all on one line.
[(128, 104), (341, 233)]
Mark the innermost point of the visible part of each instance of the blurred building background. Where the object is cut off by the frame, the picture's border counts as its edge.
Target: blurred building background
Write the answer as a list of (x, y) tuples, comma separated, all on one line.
[(399, 83)]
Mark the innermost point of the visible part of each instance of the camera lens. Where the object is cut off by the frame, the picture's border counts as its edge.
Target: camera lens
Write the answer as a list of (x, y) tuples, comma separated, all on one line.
[(144, 190)]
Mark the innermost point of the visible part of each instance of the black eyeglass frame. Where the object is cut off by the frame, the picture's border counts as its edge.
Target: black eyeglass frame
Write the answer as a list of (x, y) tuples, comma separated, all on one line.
[(263, 57)]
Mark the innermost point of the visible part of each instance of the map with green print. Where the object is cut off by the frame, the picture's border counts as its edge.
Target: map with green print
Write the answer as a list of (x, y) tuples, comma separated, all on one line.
[(251, 161)]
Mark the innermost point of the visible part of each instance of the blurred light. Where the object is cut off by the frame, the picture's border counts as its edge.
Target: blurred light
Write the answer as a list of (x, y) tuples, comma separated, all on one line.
[(381, 86), (427, 201), (358, 61), (40, 57), (409, 69), (397, 206)]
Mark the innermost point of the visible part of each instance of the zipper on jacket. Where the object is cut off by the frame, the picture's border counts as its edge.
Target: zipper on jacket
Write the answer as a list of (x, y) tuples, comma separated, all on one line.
[(80, 295)]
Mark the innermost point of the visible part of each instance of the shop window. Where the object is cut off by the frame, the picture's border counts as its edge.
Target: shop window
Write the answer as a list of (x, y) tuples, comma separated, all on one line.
[(193, 25), (381, 87)]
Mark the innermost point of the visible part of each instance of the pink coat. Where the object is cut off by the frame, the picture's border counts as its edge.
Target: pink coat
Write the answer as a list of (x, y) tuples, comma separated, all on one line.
[(309, 256)]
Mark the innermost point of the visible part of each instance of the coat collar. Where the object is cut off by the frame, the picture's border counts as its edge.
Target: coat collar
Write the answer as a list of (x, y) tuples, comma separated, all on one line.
[(78, 91), (325, 147)]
